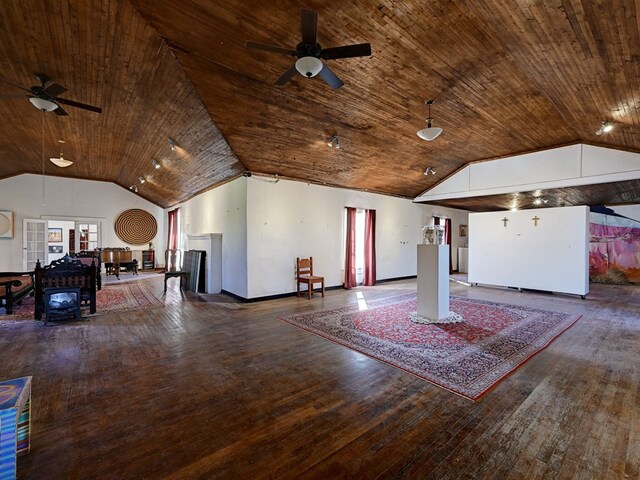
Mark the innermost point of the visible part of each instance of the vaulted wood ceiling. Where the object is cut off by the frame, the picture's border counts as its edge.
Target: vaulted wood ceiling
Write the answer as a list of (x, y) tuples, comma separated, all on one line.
[(508, 77)]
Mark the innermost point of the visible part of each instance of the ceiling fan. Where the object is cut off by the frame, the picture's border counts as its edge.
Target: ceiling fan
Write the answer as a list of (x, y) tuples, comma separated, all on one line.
[(310, 54), (45, 96)]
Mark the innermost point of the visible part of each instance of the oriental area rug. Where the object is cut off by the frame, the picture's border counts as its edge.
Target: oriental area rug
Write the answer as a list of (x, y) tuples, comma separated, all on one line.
[(111, 298), (466, 358)]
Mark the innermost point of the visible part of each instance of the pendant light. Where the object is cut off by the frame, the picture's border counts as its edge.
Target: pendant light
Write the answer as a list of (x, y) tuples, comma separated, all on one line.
[(429, 133), (61, 162)]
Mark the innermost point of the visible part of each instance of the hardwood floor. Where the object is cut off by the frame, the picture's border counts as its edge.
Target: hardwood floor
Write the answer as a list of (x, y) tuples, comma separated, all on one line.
[(210, 388)]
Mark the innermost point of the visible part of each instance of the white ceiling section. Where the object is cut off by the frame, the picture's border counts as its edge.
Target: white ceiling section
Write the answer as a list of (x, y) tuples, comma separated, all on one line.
[(555, 168)]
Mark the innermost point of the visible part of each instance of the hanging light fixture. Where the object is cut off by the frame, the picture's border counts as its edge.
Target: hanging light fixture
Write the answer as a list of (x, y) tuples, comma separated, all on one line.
[(429, 133), (61, 162)]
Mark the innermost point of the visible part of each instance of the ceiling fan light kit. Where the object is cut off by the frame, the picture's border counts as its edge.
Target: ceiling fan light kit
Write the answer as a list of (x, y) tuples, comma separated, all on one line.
[(43, 104), (45, 96), (429, 133), (309, 66), (310, 54)]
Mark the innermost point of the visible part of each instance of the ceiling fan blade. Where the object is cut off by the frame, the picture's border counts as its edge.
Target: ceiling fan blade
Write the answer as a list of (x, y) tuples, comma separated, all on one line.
[(54, 89), (14, 85), (61, 112), (331, 78), (73, 103), (286, 76), (269, 48), (348, 51), (309, 28)]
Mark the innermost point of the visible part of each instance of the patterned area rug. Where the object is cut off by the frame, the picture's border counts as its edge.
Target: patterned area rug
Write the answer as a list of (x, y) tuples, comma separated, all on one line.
[(466, 358), (112, 298)]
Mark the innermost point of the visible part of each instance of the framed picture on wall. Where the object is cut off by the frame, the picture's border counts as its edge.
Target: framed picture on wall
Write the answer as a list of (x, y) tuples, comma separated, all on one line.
[(463, 230), (55, 248), (55, 235), (6, 224)]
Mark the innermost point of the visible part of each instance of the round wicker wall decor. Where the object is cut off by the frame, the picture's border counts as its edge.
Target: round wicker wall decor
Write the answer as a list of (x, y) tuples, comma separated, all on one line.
[(136, 226)]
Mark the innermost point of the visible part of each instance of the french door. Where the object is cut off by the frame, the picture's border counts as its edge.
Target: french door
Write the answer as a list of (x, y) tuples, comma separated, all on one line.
[(34, 243), (87, 235)]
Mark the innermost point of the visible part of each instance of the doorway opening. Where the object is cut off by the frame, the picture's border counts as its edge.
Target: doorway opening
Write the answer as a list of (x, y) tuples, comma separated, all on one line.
[(50, 238)]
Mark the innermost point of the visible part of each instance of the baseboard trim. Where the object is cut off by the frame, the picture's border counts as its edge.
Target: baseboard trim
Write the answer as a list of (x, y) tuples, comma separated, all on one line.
[(274, 297), (293, 294), (395, 279)]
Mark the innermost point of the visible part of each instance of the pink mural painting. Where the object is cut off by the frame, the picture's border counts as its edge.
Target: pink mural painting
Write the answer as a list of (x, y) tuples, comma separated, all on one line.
[(614, 249)]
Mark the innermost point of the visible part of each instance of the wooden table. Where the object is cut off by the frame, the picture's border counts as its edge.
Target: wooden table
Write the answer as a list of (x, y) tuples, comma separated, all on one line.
[(15, 423)]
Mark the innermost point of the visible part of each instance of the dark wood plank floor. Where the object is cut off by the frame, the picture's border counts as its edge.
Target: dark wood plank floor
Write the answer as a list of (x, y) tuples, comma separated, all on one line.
[(210, 388)]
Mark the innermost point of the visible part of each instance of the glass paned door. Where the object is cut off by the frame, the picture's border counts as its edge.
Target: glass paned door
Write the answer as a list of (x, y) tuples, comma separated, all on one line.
[(87, 236), (34, 243)]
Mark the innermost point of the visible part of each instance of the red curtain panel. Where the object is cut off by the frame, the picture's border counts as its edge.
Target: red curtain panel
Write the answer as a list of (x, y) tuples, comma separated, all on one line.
[(369, 247)]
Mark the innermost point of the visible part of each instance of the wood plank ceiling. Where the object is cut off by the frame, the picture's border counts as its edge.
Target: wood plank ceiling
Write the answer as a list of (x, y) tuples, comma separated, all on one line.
[(508, 77)]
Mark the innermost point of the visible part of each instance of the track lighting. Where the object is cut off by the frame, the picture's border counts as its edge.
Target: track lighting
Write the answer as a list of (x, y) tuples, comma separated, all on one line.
[(155, 164), (172, 143), (134, 188), (429, 171), (605, 127), (429, 133), (141, 178), (334, 141)]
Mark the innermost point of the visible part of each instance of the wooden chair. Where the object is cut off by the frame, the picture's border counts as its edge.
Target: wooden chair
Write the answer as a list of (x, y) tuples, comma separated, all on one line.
[(304, 274), (173, 268), (92, 258)]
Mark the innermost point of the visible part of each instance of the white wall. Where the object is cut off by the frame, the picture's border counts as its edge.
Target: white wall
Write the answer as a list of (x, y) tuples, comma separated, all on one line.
[(554, 168), (265, 226), (68, 198), (66, 227), (552, 256), (222, 210), (291, 219)]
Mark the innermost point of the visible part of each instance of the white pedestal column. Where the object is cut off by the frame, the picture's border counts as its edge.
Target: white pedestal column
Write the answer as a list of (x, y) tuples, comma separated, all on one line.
[(433, 281)]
